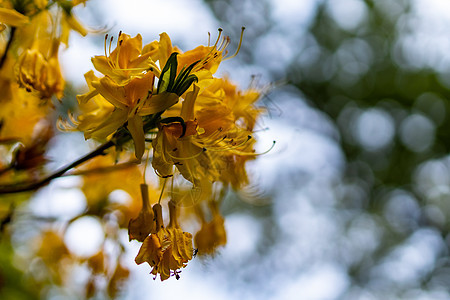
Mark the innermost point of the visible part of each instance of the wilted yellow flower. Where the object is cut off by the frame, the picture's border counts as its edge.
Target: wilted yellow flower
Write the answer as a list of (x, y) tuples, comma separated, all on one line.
[(169, 249), (36, 73), (54, 253), (118, 280), (211, 235), (145, 223), (19, 113)]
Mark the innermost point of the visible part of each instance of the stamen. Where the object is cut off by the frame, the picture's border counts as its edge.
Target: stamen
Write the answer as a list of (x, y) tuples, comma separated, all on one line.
[(108, 57), (110, 42), (218, 38), (119, 43), (162, 190), (62, 125), (239, 45), (233, 145), (255, 154), (187, 157), (206, 59), (145, 166), (72, 119), (223, 42), (106, 39)]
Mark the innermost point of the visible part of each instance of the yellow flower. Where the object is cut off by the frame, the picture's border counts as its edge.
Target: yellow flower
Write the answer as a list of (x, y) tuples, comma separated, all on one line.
[(242, 103), (205, 143), (211, 235), (128, 60), (173, 146), (12, 17), (203, 60), (34, 72), (69, 21), (128, 86), (131, 102), (169, 249), (144, 224), (93, 107), (20, 112)]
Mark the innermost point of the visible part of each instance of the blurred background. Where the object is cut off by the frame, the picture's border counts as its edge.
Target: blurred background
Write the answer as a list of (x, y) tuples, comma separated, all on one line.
[(353, 201)]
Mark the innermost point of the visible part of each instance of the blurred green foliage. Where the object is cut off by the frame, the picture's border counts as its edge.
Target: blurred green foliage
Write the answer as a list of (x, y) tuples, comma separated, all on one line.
[(393, 124)]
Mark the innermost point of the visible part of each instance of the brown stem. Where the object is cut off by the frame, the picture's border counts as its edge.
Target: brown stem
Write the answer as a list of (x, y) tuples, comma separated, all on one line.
[(103, 170), (29, 186)]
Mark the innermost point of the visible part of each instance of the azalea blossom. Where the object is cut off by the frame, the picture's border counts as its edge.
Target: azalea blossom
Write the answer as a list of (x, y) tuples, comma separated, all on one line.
[(128, 60), (131, 102), (36, 73), (169, 249), (210, 144)]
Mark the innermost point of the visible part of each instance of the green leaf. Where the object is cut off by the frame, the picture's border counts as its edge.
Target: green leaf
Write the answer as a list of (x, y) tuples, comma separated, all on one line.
[(182, 76), (168, 74)]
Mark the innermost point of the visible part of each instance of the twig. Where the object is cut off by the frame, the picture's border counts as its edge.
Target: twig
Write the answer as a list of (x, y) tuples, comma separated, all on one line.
[(29, 186), (103, 170)]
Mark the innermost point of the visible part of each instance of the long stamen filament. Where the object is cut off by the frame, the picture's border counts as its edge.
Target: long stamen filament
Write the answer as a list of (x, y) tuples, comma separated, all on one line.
[(241, 153), (239, 45), (162, 190), (106, 40), (205, 60), (118, 47), (188, 157), (232, 147)]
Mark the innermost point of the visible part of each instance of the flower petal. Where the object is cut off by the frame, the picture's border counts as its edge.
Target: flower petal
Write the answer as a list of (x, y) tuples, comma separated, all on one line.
[(136, 128), (12, 17), (165, 49), (158, 103), (115, 120), (128, 49), (112, 92), (187, 109)]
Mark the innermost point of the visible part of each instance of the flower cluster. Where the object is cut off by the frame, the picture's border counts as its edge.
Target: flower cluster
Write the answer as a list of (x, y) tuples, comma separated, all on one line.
[(192, 128), (166, 250), (197, 129), (31, 34)]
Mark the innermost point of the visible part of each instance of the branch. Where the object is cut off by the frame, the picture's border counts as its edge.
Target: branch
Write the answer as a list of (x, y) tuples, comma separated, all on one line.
[(120, 137), (103, 170), (29, 186)]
